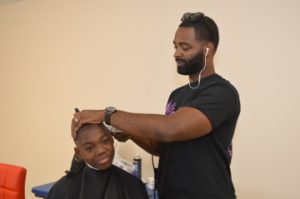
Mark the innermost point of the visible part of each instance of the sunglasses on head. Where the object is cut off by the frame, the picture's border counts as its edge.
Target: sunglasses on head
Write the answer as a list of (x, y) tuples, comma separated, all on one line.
[(196, 17), (193, 17)]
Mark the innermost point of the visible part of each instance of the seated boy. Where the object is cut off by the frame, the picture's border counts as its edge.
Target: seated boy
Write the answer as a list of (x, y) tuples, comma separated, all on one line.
[(98, 178)]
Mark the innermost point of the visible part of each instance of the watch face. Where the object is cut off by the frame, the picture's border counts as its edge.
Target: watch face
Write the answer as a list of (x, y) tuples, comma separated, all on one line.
[(108, 112), (111, 109)]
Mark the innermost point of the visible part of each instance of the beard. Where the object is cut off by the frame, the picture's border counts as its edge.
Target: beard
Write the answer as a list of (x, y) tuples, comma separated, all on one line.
[(191, 66)]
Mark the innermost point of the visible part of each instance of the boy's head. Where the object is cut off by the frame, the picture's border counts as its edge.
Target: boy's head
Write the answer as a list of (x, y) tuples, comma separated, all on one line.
[(94, 145)]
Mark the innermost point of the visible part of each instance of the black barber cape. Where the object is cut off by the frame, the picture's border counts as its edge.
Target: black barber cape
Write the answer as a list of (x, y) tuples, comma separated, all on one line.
[(88, 183)]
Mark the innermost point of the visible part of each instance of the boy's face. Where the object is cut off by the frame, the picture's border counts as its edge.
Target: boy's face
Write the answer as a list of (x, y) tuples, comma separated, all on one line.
[(95, 147)]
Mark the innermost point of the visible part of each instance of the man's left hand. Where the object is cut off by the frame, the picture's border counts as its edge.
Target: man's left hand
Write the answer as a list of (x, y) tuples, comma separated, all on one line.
[(85, 116)]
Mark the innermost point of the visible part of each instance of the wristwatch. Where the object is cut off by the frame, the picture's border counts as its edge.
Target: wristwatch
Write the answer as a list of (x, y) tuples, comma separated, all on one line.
[(107, 114)]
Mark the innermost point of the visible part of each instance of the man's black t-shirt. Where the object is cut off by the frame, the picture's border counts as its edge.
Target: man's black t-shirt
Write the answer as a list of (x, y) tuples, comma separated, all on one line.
[(200, 168)]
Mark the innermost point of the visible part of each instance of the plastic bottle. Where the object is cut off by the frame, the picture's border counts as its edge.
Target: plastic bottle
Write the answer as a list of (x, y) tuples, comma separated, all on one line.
[(137, 166), (150, 187)]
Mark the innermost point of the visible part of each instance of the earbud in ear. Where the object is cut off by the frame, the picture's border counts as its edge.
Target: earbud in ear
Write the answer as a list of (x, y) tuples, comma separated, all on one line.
[(206, 53)]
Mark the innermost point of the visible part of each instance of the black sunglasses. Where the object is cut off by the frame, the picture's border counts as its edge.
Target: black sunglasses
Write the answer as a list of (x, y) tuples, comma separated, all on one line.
[(196, 17), (193, 17)]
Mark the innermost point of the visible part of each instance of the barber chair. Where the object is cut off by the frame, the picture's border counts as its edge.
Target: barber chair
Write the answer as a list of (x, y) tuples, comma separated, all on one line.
[(12, 181)]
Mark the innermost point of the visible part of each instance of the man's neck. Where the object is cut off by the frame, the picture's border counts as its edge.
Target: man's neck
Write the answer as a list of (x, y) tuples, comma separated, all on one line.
[(210, 70)]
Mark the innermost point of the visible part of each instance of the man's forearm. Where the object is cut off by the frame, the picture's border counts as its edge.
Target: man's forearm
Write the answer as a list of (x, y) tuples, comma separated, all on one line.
[(152, 126)]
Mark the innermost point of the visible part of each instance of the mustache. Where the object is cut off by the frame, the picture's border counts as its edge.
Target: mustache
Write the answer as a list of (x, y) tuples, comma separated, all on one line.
[(180, 60)]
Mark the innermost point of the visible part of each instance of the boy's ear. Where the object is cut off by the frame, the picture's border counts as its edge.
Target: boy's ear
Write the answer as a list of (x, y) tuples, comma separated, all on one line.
[(77, 153)]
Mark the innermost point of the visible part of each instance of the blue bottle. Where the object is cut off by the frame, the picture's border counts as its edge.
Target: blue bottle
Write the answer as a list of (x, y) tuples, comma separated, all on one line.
[(137, 166)]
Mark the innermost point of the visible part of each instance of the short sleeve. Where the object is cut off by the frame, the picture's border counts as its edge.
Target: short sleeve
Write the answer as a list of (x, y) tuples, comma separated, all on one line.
[(219, 103)]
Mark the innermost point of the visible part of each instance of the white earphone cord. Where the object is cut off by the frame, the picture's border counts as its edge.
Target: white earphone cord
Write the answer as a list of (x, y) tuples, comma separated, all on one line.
[(199, 77)]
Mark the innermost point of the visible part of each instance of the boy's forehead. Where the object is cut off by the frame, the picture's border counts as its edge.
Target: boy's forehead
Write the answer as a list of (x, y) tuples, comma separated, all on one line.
[(92, 132)]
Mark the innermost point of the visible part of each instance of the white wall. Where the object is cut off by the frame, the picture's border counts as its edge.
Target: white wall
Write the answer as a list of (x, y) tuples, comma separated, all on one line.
[(59, 54)]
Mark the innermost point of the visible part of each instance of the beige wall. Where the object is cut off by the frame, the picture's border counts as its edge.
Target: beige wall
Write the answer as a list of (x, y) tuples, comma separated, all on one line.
[(59, 54)]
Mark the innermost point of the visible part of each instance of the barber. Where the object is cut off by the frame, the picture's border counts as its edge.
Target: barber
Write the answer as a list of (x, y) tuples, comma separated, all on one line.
[(194, 138)]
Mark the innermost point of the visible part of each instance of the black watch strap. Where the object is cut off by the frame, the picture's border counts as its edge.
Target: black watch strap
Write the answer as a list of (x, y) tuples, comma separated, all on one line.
[(107, 114)]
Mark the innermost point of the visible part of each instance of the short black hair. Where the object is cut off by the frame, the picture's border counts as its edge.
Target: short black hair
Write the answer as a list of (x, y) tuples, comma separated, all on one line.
[(88, 126), (205, 27)]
